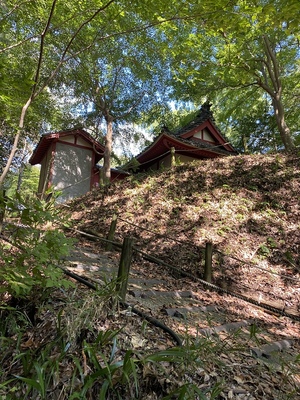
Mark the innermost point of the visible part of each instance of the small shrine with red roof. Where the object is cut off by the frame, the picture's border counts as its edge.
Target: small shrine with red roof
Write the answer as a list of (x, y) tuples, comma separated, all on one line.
[(69, 163), (200, 139)]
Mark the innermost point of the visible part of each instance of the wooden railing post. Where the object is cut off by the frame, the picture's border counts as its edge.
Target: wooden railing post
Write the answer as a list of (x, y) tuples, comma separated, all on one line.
[(173, 159), (208, 262), (111, 233), (124, 267)]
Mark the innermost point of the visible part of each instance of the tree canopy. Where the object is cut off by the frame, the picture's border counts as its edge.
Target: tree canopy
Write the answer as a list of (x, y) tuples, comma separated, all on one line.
[(143, 56), (246, 53)]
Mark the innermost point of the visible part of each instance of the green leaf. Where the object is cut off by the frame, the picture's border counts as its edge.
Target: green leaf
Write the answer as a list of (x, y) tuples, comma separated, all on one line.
[(31, 382), (104, 389)]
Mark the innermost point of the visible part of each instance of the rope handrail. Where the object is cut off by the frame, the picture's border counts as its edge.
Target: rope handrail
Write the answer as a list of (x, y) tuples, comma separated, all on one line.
[(205, 283), (159, 234), (218, 251), (133, 309), (258, 267)]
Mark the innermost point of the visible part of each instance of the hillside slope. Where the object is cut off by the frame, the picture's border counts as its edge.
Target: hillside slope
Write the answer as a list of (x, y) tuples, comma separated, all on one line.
[(247, 206)]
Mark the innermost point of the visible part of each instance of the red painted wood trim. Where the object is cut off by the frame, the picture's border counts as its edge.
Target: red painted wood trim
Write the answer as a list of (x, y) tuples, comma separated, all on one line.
[(213, 131)]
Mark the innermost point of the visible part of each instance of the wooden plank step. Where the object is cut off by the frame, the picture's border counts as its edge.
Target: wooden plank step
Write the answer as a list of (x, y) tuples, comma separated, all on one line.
[(88, 267)]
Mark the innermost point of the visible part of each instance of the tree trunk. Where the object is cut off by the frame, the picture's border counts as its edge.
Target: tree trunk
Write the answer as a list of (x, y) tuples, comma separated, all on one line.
[(108, 148), (273, 86), (20, 177), (245, 144), (3, 199), (284, 130), (16, 141), (35, 90)]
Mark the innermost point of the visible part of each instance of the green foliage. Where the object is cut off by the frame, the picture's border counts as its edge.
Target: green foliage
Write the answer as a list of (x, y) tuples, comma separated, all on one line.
[(28, 182), (229, 61), (95, 362), (13, 322), (265, 249), (35, 247), (113, 374)]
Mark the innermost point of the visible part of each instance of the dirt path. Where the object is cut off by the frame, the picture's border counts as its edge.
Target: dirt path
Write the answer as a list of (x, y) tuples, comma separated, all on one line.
[(183, 304)]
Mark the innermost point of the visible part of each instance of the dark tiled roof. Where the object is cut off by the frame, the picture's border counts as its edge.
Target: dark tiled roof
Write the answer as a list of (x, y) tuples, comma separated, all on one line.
[(218, 148), (203, 115)]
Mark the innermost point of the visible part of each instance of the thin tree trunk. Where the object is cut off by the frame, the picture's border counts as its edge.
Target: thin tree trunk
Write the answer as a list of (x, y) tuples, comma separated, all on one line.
[(2, 208), (245, 144), (16, 141), (283, 128), (20, 176), (271, 72), (108, 149), (31, 98)]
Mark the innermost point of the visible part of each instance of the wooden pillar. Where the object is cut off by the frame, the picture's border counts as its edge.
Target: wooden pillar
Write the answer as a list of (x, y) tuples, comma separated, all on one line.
[(208, 262), (124, 267), (111, 232), (173, 160)]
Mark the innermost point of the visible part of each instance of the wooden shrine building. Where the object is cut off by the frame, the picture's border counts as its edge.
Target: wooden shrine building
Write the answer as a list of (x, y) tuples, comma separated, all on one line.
[(69, 163), (199, 139)]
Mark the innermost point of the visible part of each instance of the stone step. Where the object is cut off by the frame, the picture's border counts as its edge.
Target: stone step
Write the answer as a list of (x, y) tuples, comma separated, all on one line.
[(268, 349), (140, 283), (230, 327), (156, 293), (182, 312)]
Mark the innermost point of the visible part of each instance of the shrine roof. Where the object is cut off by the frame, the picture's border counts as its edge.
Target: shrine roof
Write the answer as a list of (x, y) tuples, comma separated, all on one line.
[(183, 141), (49, 138)]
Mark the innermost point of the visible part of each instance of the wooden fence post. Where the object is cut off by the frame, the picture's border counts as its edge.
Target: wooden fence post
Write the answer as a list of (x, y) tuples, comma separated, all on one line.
[(208, 262), (111, 233), (173, 159), (123, 272)]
